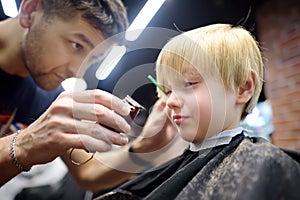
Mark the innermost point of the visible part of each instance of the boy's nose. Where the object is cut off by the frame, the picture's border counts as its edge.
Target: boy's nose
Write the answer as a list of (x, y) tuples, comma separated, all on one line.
[(174, 101)]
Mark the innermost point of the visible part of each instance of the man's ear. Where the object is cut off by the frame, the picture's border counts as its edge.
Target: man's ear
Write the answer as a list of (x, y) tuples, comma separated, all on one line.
[(246, 91), (27, 7)]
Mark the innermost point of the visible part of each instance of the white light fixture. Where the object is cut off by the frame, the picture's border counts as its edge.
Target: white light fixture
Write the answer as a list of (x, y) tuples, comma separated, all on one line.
[(10, 8), (132, 33), (74, 84), (143, 19), (110, 61)]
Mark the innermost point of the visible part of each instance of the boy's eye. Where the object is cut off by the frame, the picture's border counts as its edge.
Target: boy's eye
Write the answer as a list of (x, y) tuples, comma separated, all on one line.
[(76, 45), (167, 92), (187, 84)]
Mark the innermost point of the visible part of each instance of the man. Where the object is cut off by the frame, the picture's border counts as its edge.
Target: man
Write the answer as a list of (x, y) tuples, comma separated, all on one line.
[(40, 48)]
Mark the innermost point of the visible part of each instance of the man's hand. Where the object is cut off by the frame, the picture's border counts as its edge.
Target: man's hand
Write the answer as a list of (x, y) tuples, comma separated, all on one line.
[(74, 120)]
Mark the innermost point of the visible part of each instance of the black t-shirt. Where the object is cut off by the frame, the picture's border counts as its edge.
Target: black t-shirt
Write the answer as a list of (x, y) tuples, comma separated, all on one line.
[(23, 96)]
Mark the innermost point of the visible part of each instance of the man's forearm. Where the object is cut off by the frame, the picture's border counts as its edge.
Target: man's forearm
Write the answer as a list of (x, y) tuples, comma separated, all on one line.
[(102, 172), (109, 169)]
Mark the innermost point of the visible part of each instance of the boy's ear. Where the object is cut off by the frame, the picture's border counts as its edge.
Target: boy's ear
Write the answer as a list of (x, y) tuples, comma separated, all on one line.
[(27, 7), (246, 91)]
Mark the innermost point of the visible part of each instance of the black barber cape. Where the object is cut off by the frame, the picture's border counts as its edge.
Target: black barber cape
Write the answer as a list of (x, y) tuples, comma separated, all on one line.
[(247, 168)]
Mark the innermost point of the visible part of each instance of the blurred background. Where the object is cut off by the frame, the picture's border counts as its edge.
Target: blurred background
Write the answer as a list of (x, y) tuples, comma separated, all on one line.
[(275, 24)]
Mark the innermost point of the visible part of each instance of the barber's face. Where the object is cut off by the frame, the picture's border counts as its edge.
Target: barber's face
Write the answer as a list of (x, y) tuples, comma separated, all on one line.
[(54, 51)]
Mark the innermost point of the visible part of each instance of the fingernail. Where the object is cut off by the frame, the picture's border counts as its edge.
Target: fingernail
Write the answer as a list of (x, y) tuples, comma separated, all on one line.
[(125, 109), (124, 140), (127, 128)]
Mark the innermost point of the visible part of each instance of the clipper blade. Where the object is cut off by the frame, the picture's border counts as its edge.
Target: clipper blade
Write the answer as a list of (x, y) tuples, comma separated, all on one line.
[(136, 107)]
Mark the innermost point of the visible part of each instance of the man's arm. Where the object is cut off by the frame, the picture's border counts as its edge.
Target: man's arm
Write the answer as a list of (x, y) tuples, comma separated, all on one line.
[(109, 169), (158, 142), (73, 120), (96, 174)]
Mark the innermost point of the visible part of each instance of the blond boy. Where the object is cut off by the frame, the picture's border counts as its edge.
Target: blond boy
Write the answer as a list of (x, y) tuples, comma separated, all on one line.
[(211, 78)]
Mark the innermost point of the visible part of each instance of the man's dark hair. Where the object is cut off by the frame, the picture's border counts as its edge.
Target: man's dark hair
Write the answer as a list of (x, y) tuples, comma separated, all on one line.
[(108, 16)]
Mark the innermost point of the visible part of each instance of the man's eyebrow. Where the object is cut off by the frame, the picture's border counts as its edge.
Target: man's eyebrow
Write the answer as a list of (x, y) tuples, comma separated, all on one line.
[(84, 39)]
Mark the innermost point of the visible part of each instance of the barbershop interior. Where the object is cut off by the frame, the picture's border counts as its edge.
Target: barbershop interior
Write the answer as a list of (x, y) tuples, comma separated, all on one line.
[(125, 70)]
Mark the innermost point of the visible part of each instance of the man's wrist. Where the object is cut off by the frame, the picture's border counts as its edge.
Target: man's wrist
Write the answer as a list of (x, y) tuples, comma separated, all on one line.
[(13, 155)]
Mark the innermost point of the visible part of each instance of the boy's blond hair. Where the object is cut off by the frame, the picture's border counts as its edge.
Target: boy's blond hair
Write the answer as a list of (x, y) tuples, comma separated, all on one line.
[(223, 51)]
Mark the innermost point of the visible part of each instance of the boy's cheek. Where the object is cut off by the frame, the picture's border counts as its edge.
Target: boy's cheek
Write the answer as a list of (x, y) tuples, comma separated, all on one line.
[(169, 113)]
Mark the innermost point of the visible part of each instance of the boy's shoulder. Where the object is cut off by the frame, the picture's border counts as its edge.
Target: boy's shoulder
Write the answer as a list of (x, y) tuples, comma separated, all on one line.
[(255, 165), (260, 148), (256, 153), (257, 159), (253, 169), (258, 156)]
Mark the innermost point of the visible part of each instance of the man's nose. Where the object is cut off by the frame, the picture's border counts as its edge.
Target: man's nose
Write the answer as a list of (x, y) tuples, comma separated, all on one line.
[(75, 68)]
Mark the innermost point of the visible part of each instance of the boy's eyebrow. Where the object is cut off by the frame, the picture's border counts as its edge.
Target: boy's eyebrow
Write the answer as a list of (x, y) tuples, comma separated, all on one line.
[(155, 83), (84, 39)]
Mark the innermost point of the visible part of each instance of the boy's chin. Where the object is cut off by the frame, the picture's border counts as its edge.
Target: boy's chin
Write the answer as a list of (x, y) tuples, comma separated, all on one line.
[(191, 137)]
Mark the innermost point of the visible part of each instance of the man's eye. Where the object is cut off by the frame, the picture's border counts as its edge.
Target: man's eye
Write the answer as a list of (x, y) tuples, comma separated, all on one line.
[(76, 45)]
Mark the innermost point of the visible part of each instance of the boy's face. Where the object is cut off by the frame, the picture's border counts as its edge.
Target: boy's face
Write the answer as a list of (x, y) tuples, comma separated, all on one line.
[(54, 51), (199, 105)]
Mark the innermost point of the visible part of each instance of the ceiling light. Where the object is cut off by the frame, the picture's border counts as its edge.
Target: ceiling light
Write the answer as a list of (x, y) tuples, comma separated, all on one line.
[(10, 8), (110, 61), (143, 19)]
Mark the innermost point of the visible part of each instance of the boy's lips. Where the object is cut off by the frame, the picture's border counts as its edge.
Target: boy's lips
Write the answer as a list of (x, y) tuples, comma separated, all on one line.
[(178, 119)]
